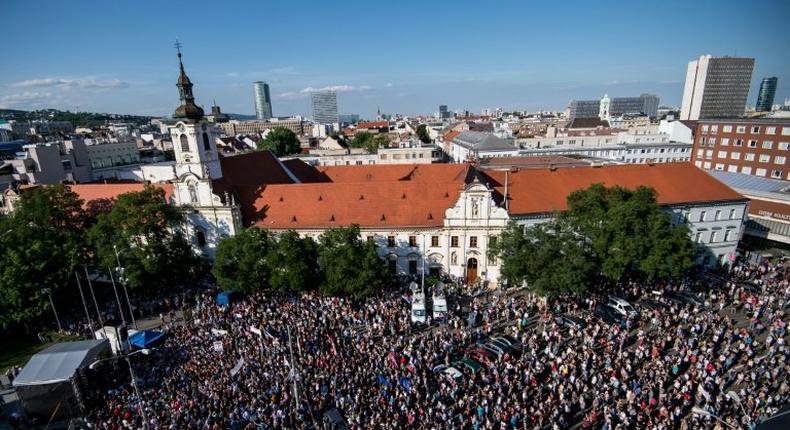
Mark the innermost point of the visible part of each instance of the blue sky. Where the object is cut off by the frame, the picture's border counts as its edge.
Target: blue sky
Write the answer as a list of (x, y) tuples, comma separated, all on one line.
[(403, 56)]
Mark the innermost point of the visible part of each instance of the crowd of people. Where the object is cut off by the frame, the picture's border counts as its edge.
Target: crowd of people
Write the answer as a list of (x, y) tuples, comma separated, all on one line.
[(270, 361)]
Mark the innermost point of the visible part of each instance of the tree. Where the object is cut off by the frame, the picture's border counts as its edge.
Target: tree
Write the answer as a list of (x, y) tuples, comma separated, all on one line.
[(291, 263), (549, 257), (240, 262), (146, 233), (350, 266), (369, 141), (40, 247), (280, 141), (630, 235), (422, 133)]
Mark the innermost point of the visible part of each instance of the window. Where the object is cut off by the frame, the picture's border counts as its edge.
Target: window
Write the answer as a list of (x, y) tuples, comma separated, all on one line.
[(454, 241), (714, 236), (206, 144), (738, 142), (712, 141), (193, 197), (785, 131), (706, 165), (393, 264), (702, 215), (709, 154), (473, 241), (735, 155), (184, 143), (434, 241), (784, 145), (776, 173), (746, 170), (779, 159), (412, 241), (722, 154), (767, 144), (765, 158), (760, 172), (741, 129), (200, 236), (700, 153), (752, 144), (770, 130), (719, 167), (704, 128), (732, 168), (732, 213), (748, 156), (727, 129), (714, 128), (698, 237), (412, 267), (725, 141), (718, 215), (755, 129), (391, 241), (728, 235)]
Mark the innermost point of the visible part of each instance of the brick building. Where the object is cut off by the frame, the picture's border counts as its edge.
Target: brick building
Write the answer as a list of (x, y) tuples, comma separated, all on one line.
[(755, 146)]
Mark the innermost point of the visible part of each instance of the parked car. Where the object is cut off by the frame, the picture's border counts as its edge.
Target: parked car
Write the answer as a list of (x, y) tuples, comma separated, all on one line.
[(609, 315), (652, 305), (335, 419), (506, 346), (497, 351), (623, 307), (686, 298), (571, 321), (448, 370), (468, 364), (480, 354), (514, 343)]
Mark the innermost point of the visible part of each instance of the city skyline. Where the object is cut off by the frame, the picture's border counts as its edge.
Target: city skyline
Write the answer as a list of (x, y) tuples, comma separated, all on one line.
[(512, 62)]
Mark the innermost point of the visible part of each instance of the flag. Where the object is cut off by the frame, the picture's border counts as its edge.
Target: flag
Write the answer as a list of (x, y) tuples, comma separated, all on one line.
[(237, 367)]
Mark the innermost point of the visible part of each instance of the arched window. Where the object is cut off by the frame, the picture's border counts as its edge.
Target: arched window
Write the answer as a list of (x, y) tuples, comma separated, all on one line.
[(206, 144), (184, 143), (201, 238), (193, 197)]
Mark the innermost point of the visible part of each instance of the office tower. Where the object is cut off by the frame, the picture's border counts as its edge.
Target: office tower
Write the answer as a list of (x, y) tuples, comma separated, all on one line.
[(645, 104), (716, 87), (263, 101), (584, 109), (765, 100), (324, 107), (443, 112)]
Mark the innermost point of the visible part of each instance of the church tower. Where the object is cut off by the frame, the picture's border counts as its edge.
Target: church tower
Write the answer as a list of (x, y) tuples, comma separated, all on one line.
[(193, 136), (209, 217)]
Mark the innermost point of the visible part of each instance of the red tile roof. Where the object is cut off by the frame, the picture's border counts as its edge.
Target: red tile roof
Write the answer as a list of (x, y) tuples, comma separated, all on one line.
[(368, 204), (542, 191), (451, 135), (94, 192), (429, 173), (373, 124)]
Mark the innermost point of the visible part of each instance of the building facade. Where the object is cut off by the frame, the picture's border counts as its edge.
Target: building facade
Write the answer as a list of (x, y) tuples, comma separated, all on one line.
[(645, 104), (263, 100), (584, 109), (324, 105), (765, 99), (716, 87), (758, 147), (235, 128)]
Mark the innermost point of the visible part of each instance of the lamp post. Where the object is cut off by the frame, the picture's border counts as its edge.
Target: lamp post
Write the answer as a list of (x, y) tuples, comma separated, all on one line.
[(48, 293), (134, 381), (124, 280)]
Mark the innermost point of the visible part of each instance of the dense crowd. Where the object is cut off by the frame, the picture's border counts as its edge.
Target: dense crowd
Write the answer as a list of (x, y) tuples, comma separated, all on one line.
[(274, 361)]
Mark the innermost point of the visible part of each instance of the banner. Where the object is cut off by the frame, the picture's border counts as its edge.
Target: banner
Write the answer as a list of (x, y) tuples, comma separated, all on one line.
[(237, 367), (256, 331), (216, 332), (218, 346)]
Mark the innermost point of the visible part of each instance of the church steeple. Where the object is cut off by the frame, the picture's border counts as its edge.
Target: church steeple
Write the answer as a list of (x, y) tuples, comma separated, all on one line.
[(188, 109)]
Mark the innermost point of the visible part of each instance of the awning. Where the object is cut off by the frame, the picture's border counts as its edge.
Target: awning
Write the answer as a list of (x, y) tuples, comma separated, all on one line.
[(60, 362), (146, 338)]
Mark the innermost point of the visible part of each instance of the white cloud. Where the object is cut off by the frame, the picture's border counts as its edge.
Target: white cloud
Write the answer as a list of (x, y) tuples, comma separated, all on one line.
[(26, 99), (388, 85), (63, 83), (304, 92)]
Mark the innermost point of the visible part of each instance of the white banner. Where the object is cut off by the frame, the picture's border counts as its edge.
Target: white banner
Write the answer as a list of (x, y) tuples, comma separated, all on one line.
[(256, 331), (237, 367), (218, 346), (216, 332)]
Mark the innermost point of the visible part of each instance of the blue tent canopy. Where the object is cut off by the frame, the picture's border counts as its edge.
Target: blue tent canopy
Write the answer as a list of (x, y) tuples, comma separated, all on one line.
[(145, 338), (224, 298)]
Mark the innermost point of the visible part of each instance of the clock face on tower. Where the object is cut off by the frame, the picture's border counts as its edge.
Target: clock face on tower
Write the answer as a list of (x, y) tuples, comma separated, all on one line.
[(181, 128)]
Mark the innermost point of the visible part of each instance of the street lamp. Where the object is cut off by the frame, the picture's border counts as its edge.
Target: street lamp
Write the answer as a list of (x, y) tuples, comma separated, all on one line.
[(705, 413), (124, 280), (48, 292), (144, 351)]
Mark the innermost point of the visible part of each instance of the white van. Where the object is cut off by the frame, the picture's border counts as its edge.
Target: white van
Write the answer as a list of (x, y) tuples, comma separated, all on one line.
[(439, 301), (418, 312), (623, 307)]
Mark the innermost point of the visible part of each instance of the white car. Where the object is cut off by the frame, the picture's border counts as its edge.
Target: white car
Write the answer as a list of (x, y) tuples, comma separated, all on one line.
[(622, 307)]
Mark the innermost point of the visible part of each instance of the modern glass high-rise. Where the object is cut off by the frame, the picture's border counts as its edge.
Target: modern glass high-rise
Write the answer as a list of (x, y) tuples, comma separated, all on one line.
[(263, 101), (765, 100), (716, 87), (324, 107), (443, 112)]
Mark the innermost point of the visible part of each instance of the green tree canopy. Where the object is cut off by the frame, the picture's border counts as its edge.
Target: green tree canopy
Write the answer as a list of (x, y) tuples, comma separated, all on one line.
[(291, 263), (549, 257), (40, 247), (351, 267), (629, 233), (146, 232), (371, 142), (422, 133), (240, 262), (280, 141)]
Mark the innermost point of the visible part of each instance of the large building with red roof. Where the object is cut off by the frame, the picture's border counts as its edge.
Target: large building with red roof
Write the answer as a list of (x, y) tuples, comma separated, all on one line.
[(427, 217)]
